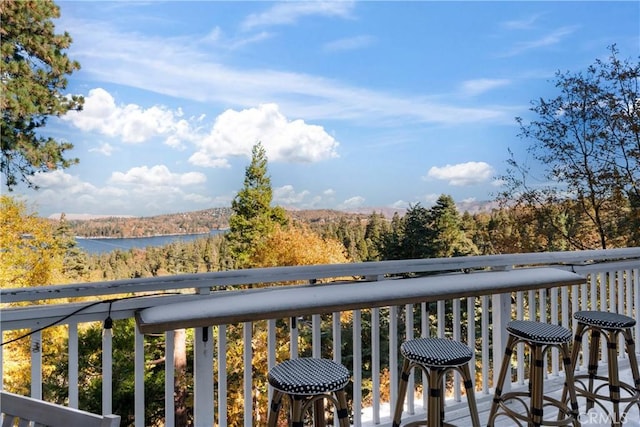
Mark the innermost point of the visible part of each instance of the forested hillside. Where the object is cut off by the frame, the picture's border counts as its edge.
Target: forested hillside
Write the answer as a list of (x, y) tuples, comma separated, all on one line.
[(188, 222), (177, 223)]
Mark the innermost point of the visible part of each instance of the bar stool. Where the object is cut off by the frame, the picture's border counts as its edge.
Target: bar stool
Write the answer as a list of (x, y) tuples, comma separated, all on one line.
[(589, 385), (435, 357), (539, 337), (309, 381)]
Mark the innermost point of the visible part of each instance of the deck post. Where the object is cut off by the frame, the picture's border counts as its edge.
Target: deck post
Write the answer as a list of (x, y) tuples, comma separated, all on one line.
[(203, 373), (501, 315)]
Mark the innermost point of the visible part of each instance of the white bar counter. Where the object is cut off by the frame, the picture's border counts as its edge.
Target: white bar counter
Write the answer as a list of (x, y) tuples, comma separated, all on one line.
[(228, 307)]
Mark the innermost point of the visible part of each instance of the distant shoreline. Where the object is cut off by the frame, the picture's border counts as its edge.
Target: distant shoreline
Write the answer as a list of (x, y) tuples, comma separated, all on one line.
[(101, 245), (152, 235)]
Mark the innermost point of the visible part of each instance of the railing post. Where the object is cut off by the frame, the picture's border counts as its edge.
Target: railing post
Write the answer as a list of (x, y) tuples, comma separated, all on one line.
[(247, 375), (357, 367), (73, 365), (36, 365), (393, 354), (501, 310), (169, 378), (222, 376), (139, 369), (1, 358), (107, 370), (203, 377)]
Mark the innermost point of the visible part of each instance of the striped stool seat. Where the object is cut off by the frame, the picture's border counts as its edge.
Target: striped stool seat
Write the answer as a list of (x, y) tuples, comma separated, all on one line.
[(538, 332), (309, 381), (308, 376), (611, 394), (435, 357), (527, 407), (604, 319), (436, 352)]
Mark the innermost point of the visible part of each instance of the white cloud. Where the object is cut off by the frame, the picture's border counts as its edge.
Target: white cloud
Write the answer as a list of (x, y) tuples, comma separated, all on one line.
[(430, 199), (58, 179), (63, 192), (236, 132), (286, 195), (197, 198), (351, 43), (478, 86), (352, 203), (550, 39), (287, 13), (139, 191), (400, 204), (154, 64), (522, 24), (131, 123), (463, 173), (105, 149), (155, 176)]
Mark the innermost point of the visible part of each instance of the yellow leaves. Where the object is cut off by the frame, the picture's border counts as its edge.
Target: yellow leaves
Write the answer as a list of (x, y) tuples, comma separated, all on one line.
[(30, 255), (298, 246)]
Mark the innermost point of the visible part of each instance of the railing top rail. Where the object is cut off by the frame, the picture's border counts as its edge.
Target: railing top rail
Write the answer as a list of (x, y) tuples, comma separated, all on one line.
[(279, 302), (312, 272)]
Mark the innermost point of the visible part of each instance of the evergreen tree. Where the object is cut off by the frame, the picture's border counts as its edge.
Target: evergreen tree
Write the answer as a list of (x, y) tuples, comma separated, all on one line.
[(393, 238), (74, 265), (33, 70), (446, 234), (416, 242), (252, 217), (374, 233)]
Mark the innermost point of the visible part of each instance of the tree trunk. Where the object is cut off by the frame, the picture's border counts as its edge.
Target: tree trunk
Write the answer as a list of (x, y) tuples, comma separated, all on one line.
[(180, 384)]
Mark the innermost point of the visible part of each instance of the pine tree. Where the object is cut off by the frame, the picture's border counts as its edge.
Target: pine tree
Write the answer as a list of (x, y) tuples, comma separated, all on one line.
[(75, 260), (446, 233), (393, 237), (416, 242), (252, 217), (33, 70)]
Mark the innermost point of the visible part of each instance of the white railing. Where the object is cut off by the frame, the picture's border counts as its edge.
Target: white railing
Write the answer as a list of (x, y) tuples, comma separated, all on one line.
[(611, 282)]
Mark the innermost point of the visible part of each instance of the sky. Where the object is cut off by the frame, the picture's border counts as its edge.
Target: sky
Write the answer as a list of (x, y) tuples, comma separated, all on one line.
[(358, 104)]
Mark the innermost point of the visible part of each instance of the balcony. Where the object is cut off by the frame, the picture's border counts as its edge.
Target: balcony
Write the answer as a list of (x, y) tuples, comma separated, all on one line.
[(357, 314)]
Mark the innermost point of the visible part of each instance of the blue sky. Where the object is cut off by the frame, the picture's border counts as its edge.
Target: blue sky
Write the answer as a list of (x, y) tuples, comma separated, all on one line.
[(358, 104)]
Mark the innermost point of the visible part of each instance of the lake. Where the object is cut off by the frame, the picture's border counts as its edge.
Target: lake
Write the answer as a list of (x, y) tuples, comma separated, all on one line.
[(101, 246)]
